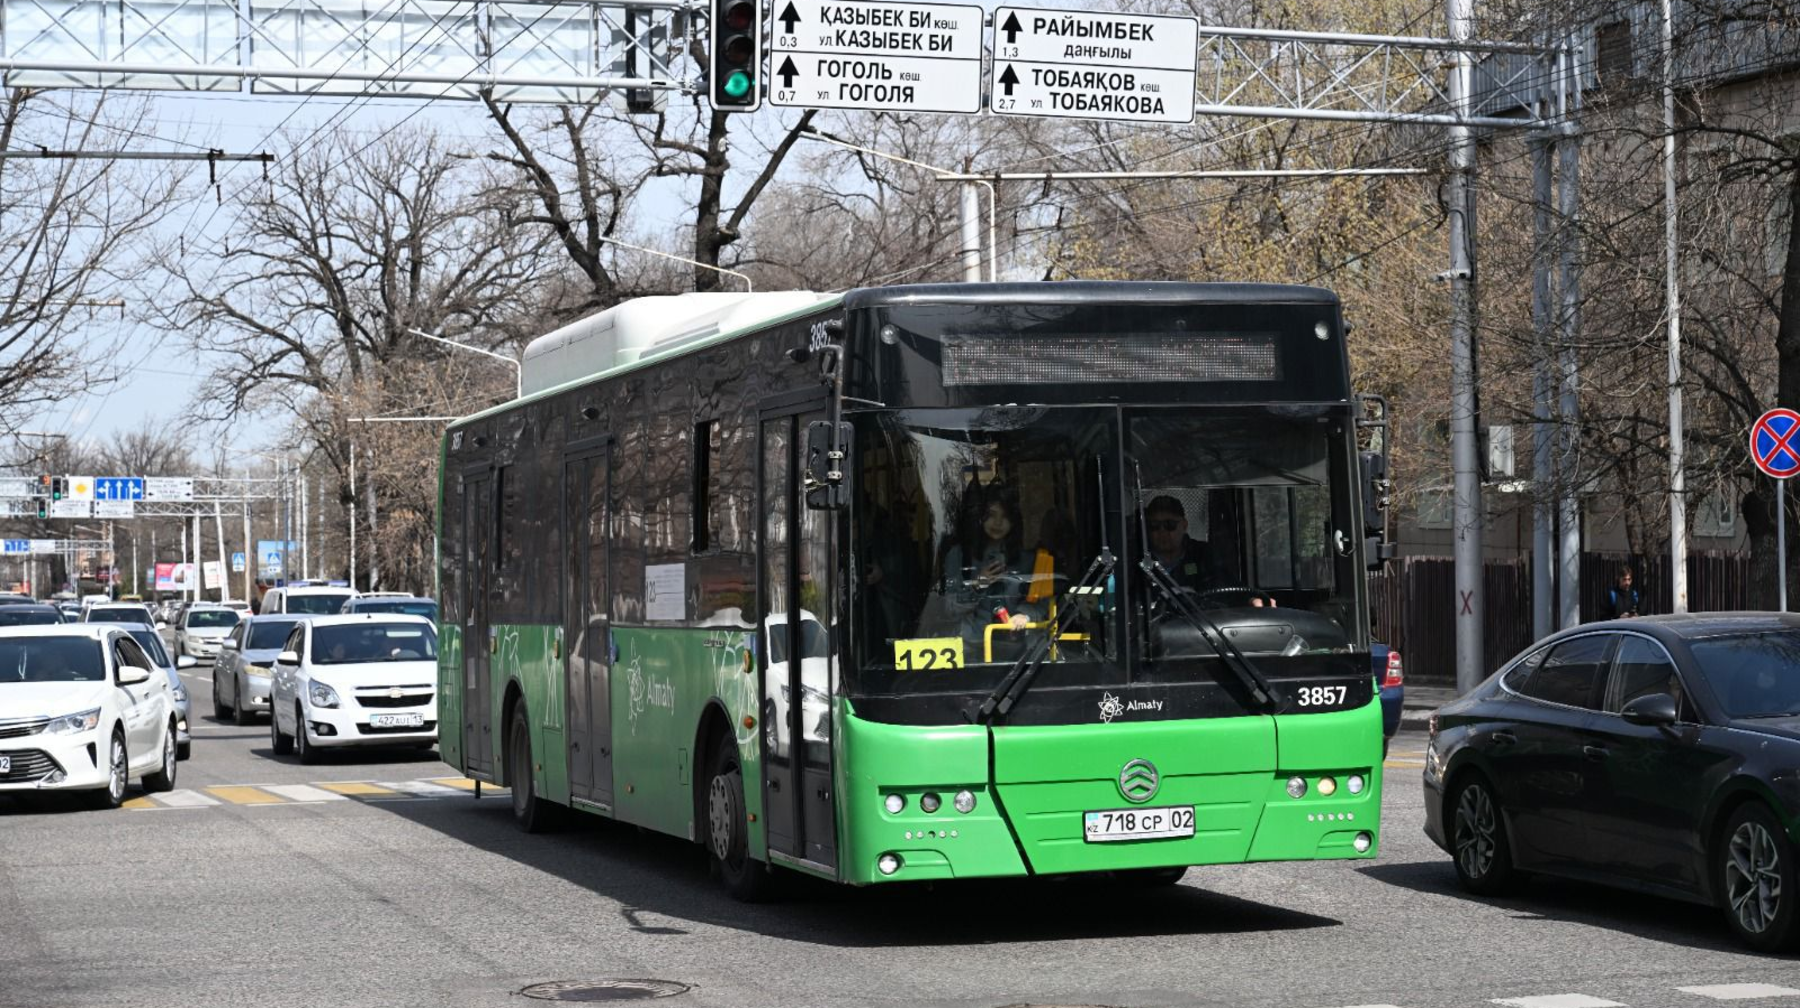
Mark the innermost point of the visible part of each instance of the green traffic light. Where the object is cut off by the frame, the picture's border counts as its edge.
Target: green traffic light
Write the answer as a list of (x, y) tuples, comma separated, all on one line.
[(737, 84)]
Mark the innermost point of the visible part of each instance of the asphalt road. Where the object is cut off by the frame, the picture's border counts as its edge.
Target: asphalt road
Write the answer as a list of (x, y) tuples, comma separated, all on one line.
[(376, 880)]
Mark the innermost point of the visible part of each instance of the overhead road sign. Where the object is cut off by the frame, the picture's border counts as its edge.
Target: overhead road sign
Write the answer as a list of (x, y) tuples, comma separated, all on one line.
[(115, 509), (1066, 64), (72, 509), (118, 488), (81, 488), (17, 486), (15, 545), (168, 488), (876, 56), (1773, 444)]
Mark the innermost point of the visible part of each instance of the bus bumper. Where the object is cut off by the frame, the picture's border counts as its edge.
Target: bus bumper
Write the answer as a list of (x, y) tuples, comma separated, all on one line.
[(1030, 816)]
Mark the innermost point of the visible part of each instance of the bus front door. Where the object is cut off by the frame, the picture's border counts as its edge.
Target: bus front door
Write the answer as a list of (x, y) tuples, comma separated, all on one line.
[(798, 618), (478, 565), (587, 648)]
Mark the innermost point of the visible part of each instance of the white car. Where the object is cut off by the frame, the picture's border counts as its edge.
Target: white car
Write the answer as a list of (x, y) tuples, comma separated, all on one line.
[(202, 628), (815, 672), (85, 709), (354, 680)]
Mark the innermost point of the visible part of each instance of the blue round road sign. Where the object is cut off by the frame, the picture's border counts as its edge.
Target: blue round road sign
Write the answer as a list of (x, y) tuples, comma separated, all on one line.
[(1775, 443)]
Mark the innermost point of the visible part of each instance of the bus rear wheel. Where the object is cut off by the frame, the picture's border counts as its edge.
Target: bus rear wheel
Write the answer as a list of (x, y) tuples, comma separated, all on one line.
[(728, 832), (530, 811)]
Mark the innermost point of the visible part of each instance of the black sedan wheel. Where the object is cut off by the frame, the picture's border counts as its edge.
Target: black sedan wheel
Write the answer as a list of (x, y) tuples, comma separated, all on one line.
[(1478, 840), (1756, 879)]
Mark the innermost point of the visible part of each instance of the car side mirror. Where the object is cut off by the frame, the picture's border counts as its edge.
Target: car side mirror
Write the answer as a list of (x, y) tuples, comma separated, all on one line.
[(1654, 709), (186, 661), (131, 675), (288, 658), (228, 644)]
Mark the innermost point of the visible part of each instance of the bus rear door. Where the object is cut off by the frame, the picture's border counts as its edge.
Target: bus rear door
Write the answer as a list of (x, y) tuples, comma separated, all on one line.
[(478, 566), (587, 637)]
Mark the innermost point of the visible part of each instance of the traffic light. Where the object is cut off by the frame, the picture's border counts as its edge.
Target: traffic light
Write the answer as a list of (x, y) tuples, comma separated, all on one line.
[(43, 506), (58, 486), (736, 56)]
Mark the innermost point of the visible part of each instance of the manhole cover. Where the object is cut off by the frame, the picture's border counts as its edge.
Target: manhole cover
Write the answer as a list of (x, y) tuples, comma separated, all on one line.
[(604, 990)]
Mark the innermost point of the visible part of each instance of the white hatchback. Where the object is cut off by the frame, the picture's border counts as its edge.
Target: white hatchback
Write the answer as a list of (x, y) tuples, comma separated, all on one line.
[(354, 680), (82, 707)]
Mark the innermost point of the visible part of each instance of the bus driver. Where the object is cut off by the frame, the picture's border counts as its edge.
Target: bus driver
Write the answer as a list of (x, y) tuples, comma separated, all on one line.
[(1193, 565)]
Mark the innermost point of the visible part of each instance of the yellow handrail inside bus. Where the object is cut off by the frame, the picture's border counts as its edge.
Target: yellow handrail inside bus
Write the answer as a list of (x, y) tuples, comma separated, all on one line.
[(988, 632)]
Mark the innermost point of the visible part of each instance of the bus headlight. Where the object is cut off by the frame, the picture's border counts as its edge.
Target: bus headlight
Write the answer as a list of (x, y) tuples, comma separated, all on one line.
[(1362, 842), (1296, 787), (895, 804), (930, 802), (1354, 783), (1327, 786), (964, 801), (888, 864)]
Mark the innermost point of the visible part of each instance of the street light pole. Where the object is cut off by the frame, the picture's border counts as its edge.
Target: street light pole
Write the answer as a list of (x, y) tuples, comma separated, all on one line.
[(518, 370)]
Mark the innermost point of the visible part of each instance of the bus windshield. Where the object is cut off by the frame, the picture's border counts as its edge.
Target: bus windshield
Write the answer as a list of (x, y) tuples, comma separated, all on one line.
[(976, 527)]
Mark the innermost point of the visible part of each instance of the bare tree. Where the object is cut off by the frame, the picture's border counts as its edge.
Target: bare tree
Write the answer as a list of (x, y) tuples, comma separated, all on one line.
[(73, 238)]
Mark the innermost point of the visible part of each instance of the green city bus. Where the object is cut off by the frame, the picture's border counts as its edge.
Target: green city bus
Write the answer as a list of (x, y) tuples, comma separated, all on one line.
[(926, 582)]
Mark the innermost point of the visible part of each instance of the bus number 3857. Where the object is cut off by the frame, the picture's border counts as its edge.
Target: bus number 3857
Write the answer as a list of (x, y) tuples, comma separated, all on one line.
[(1323, 696)]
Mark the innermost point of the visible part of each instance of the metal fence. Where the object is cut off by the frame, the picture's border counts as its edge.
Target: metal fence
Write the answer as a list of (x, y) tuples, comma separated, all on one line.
[(1414, 601)]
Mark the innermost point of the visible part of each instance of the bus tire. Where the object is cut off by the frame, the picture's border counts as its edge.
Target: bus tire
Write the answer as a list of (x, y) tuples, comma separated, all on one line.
[(728, 832), (531, 812)]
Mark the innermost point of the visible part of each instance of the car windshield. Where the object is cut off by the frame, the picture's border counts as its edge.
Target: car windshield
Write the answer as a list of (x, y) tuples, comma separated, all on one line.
[(1753, 675), (21, 616), (353, 643), (51, 659), (118, 614), (406, 607), (268, 635), (316, 605), (151, 642), (212, 618)]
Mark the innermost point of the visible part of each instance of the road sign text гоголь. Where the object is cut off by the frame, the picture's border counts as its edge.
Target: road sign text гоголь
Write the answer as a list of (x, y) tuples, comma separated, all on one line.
[(1094, 65), (898, 57), (1775, 443)]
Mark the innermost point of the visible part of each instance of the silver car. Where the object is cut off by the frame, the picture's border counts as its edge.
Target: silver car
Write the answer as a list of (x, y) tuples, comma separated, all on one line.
[(202, 628), (241, 673)]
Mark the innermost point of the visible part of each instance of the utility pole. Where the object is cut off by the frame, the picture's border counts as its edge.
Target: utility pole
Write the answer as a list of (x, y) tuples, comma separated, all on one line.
[(1543, 471), (1568, 428), (1677, 475), (1467, 520)]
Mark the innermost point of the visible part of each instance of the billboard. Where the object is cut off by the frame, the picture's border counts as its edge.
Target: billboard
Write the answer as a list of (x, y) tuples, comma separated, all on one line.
[(175, 576)]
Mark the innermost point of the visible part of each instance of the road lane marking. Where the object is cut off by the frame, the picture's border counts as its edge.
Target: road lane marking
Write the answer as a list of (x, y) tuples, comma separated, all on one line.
[(146, 802), (1739, 991), (304, 793), (244, 794), (184, 798), (1558, 1001), (425, 789), (355, 788)]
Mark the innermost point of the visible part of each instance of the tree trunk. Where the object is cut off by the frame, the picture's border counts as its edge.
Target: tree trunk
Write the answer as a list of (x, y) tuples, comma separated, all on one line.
[(708, 239)]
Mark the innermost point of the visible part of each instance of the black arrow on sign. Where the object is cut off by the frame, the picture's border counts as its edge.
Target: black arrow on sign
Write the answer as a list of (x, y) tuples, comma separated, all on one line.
[(1008, 78), (787, 72), (1011, 27), (789, 17)]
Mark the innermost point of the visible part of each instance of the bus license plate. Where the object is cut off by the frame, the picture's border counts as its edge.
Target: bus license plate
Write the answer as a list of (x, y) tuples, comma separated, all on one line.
[(1140, 824), (397, 720)]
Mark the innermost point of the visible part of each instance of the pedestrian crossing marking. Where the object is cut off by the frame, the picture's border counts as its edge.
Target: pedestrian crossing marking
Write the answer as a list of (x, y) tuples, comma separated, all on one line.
[(304, 793), (1739, 991), (1558, 1001), (355, 788), (315, 793), (244, 794)]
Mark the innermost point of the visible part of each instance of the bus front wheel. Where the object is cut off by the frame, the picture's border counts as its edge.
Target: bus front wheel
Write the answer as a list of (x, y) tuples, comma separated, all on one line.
[(727, 829)]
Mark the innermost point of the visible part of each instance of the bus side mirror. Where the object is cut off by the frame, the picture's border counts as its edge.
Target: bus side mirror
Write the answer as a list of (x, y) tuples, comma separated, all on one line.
[(1372, 466), (827, 459)]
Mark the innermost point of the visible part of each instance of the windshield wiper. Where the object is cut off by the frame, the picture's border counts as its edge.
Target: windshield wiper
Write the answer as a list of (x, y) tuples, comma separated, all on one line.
[(1018, 679), (1261, 690)]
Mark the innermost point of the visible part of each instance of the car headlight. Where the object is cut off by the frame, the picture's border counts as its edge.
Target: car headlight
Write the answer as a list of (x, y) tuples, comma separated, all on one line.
[(69, 724), (180, 694), (322, 695)]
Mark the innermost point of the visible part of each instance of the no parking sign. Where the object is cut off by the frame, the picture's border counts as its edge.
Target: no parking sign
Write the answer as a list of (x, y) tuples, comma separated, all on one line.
[(1773, 450)]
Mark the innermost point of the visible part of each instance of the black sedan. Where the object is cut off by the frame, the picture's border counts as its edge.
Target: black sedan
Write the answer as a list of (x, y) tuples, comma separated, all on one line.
[(1658, 754)]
